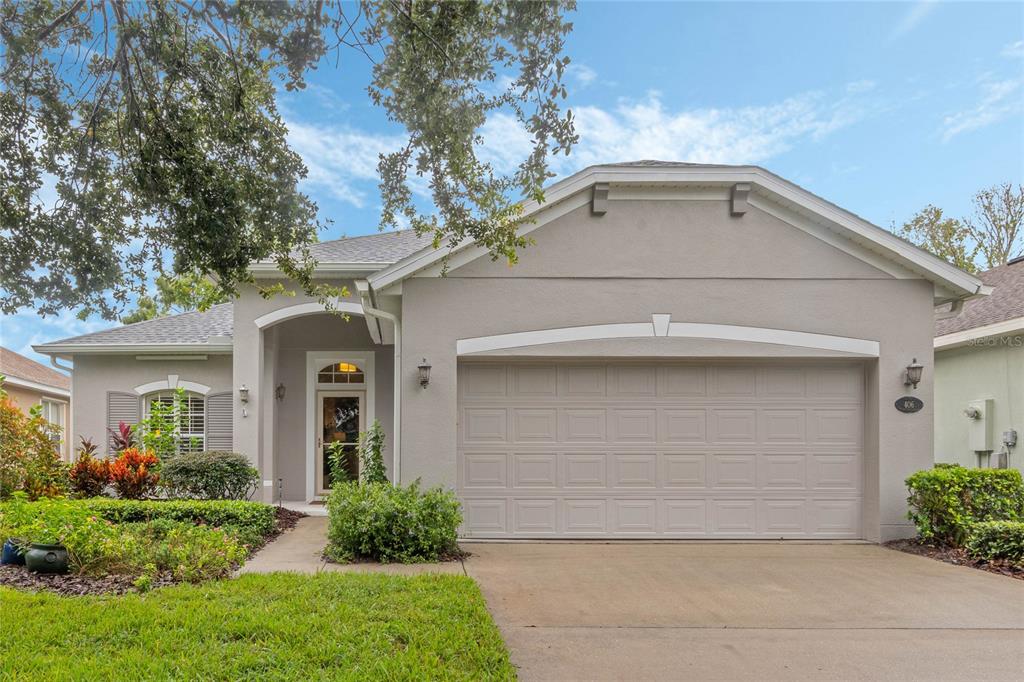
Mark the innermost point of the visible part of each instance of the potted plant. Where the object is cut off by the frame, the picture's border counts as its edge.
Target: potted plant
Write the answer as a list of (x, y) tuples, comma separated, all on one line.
[(13, 520), (12, 554), (47, 558)]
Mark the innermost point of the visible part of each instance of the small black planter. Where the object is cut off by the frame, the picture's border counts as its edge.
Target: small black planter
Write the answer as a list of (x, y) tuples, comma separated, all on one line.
[(12, 556), (47, 558)]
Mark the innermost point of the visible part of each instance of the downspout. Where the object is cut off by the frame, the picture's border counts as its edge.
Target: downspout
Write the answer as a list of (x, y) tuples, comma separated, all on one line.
[(366, 298), (69, 435)]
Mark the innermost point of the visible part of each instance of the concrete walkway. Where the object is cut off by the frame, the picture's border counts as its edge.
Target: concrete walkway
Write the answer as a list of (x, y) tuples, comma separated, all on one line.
[(300, 551), (670, 611)]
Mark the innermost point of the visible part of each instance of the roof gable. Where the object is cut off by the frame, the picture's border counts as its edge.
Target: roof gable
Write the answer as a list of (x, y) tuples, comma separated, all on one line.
[(572, 192)]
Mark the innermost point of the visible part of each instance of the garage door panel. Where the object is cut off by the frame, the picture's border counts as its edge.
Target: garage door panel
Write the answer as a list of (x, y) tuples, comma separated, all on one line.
[(484, 470), (583, 470), (684, 470), (586, 381), (534, 381), (632, 381), (685, 517), (733, 426), (684, 425), (634, 425), (485, 425), (634, 471), (538, 425), (534, 470), (582, 425), (586, 516), (660, 450)]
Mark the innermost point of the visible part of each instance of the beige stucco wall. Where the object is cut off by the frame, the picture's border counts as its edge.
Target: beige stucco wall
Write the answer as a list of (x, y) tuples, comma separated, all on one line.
[(25, 399), (692, 260), (95, 375), (994, 368)]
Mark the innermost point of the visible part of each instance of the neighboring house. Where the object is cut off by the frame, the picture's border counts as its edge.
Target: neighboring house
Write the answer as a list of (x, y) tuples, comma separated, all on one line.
[(979, 369), (29, 383), (687, 351)]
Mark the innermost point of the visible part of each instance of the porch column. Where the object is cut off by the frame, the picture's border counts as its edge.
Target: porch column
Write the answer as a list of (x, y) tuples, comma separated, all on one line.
[(247, 370)]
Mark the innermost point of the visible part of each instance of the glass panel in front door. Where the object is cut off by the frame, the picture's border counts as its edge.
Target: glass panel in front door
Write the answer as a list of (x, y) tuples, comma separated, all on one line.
[(341, 424)]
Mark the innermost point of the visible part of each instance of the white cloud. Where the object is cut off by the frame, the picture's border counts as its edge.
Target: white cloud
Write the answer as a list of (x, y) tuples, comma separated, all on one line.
[(646, 129), (582, 74), (913, 17), (25, 329), (999, 100), (341, 160), (1014, 50)]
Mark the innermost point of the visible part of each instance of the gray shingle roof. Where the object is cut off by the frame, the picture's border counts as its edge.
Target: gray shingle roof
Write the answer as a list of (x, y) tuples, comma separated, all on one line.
[(384, 247), (1005, 303), (193, 327)]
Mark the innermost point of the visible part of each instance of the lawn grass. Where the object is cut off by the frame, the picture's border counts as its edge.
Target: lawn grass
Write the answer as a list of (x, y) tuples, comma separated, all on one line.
[(259, 627)]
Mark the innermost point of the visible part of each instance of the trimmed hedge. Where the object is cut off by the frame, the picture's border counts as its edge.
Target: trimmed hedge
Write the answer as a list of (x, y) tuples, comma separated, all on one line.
[(249, 522), (945, 502), (390, 523), (210, 475), (997, 540)]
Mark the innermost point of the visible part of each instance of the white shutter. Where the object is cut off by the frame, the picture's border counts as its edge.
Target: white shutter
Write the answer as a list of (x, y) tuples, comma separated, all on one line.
[(121, 407), (219, 412)]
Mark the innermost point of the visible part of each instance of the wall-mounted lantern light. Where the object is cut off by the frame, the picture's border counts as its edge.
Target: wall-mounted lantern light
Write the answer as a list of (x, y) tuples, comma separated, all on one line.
[(424, 369), (279, 392), (914, 370), (243, 393)]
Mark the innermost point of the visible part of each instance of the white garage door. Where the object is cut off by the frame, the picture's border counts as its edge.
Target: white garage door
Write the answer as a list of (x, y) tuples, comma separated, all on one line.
[(660, 450)]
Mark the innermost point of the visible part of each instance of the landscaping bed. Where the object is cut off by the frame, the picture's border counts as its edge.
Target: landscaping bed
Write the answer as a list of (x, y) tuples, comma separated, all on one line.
[(957, 556), (277, 626), (119, 546)]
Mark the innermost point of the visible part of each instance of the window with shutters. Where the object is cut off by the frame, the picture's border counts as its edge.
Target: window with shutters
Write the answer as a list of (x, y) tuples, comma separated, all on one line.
[(191, 418)]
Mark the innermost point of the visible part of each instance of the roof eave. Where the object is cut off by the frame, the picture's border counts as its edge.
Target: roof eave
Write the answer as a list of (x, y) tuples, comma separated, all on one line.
[(965, 337), (323, 269), (36, 386), (960, 283), (56, 349)]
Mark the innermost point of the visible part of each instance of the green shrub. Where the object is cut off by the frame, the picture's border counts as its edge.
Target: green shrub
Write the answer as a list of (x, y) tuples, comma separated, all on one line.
[(371, 455), (212, 475), (390, 523), (99, 546), (250, 521), (947, 500), (997, 540)]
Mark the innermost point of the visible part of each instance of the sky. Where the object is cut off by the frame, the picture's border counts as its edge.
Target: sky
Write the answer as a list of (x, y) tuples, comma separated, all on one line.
[(881, 108)]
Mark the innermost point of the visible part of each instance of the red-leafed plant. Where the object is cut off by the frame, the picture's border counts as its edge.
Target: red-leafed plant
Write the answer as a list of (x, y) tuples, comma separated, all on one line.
[(133, 474), (123, 438), (89, 475)]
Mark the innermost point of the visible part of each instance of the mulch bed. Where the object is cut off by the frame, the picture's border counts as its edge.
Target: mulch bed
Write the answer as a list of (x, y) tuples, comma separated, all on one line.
[(956, 556), (75, 585)]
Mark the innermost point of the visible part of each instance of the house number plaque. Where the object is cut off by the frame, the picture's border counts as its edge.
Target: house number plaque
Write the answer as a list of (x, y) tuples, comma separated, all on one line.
[(909, 403)]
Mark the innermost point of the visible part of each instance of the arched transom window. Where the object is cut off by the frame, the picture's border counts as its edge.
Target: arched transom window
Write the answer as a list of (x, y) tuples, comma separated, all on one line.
[(341, 373)]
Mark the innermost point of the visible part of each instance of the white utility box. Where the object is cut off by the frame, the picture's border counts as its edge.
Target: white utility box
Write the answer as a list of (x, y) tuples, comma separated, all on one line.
[(979, 431)]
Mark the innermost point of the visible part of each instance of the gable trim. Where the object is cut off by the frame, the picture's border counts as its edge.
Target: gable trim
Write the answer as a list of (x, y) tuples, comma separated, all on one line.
[(844, 223), (171, 383)]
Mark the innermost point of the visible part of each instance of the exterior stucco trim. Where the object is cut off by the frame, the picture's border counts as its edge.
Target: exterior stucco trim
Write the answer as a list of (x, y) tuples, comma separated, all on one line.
[(171, 383), (662, 326), (300, 309), (36, 386)]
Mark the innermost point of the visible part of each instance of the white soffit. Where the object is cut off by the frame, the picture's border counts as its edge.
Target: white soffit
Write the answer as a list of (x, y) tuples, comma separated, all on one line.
[(627, 182)]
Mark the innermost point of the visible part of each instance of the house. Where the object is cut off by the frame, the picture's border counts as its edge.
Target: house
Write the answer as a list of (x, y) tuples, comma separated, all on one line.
[(29, 383), (979, 375), (687, 351)]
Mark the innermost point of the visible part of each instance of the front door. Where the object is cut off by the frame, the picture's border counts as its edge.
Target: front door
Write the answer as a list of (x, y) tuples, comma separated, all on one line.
[(339, 419)]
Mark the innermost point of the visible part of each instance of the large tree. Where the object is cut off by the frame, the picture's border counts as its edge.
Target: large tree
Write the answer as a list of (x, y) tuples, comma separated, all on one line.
[(991, 236), (144, 137)]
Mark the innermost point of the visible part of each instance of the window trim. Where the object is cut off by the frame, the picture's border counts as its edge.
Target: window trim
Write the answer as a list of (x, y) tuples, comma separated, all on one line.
[(190, 396)]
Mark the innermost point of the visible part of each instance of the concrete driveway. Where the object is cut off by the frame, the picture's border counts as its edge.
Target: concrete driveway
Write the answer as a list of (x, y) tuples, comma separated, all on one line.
[(706, 611)]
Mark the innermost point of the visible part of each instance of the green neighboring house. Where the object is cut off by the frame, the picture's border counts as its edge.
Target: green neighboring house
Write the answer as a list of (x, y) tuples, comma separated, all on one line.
[(979, 375)]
